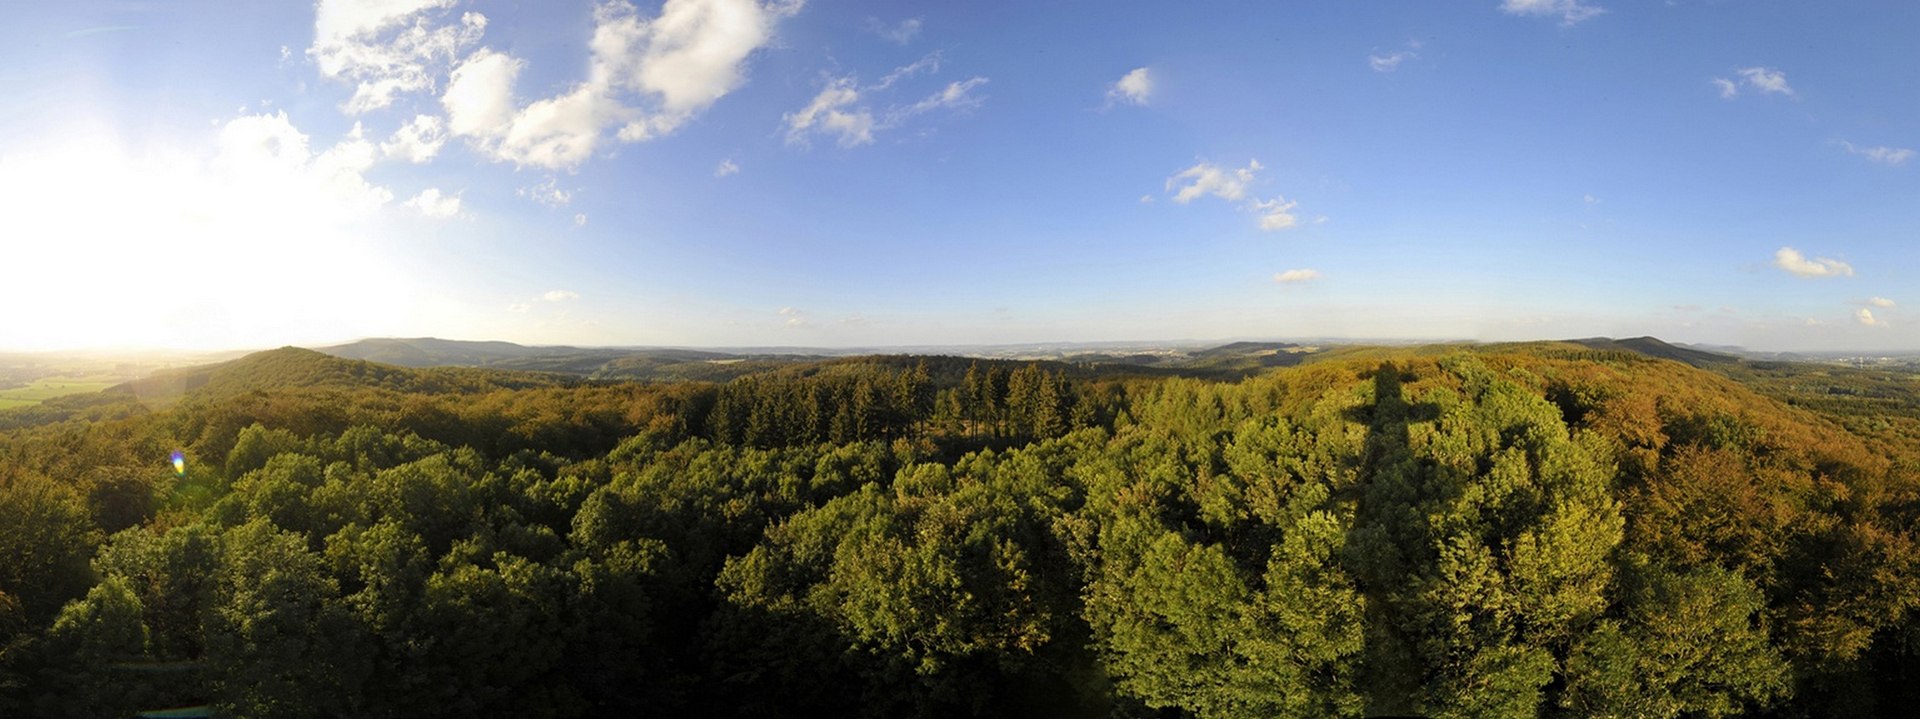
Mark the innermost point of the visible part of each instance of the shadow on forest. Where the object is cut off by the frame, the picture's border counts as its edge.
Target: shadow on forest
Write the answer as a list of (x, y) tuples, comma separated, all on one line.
[(1390, 546)]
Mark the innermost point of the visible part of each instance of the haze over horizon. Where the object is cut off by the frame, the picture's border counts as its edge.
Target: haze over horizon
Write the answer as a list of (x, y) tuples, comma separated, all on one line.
[(726, 173)]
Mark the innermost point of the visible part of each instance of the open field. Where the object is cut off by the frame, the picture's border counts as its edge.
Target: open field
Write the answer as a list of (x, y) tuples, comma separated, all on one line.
[(49, 387)]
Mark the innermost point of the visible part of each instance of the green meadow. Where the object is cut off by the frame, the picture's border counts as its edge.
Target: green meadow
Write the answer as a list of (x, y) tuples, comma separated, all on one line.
[(49, 387)]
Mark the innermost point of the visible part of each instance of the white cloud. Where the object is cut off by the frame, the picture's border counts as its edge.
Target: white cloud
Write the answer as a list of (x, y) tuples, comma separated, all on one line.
[(1296, 276), (258, 142), (830, 113), (1206, 179), (900, 33), (271, 150), (579, 220), (559, 296), (1880, 302), (725, 168), (547, 193), (433, 204), (388, 47), (1570, 12), (1590, 199), (557, 132), (417, 141), (1791, 260), (1133, 88), (693, 52), (646, 77), (794, 317), (519, 307), (1728, 90), (1765, 80), (479, 97), (1391, 61), (1882, 154), (1275, 214), (1865, 316)]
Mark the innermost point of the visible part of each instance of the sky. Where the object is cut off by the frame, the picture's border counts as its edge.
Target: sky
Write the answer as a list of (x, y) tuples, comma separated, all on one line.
[(202, 175)]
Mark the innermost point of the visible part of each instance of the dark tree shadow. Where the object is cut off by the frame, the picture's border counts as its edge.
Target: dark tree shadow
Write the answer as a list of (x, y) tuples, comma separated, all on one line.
[(1390, 545)]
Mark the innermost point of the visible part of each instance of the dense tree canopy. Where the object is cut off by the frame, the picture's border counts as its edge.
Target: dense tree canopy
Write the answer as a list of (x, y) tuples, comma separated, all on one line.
[(1453, 533)]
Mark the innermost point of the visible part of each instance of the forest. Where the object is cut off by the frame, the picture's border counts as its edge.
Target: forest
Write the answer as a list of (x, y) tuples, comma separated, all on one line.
[(1538, 530)]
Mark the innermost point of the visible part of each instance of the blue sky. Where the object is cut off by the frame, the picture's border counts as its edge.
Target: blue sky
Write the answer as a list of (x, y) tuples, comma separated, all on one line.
[(733, 173)]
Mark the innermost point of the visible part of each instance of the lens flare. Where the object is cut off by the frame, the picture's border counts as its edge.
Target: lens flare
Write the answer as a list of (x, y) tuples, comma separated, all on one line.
[(179, 464)]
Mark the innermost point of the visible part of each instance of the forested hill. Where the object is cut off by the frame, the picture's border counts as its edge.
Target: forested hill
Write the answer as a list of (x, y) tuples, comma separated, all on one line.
[(296, 368), (1654, 347), (1508, 531)]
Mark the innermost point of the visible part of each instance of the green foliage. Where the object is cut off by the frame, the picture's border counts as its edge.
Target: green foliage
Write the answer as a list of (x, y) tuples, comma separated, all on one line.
[(46, 538), (1687, 643), (1524, 531), (279, 643)]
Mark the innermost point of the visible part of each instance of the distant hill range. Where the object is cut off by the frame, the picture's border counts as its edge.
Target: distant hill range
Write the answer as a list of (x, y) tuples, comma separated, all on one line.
[(438, 365), (680, 364), (676, 364), (611, 363)]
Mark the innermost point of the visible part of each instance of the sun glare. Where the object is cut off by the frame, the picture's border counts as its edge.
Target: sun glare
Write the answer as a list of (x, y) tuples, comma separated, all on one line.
[(264, 243)]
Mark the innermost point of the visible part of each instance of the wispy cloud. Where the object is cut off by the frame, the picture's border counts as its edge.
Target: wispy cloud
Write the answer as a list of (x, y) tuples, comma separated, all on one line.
[(547, 193), (1570, 12), (550, 297), (1865, 317), (1791, 260), (1296, 276), (928, 64), (1766, 79), (842, 108), (1881, 302), (900, 33), (1880, 154), (832, 111), (1390, 61), (1208, 179), (957, 95), (1275, 214)]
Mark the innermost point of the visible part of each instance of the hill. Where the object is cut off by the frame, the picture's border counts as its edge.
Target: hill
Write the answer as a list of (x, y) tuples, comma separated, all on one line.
[(297, 368), (1654, 347)]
